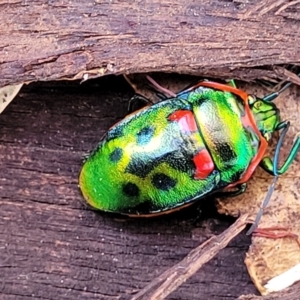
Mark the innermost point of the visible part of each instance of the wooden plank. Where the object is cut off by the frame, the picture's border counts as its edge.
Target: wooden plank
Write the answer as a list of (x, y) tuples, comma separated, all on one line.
[(52, 246), (42, 40)]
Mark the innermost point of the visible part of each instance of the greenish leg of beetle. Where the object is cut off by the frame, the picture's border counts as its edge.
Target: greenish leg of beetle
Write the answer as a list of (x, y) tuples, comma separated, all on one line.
[(231, 82), (272, 166)]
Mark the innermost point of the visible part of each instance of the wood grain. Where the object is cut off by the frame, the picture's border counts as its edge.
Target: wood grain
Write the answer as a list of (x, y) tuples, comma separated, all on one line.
[(53, 40)]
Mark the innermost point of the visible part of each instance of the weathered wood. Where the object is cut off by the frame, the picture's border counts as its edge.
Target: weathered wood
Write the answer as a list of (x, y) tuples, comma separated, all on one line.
[(52, 40), (162, 286), (52, 246)]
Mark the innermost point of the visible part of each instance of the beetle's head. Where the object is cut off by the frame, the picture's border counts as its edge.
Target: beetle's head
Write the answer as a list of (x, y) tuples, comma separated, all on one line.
[(266, 115)]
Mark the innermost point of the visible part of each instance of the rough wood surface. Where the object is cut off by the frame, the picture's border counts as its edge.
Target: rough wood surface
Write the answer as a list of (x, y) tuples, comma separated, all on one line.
[(51, 40), (53, 247)]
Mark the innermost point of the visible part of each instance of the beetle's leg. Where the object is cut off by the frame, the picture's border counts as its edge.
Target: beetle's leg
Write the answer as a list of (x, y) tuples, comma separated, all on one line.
[(137, 100), (272, 167), (231, 82), (266, 83), (240, 188), (160, 88)]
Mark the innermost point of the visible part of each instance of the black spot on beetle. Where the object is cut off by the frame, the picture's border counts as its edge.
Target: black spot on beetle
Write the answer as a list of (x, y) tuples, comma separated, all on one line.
[(181, 161), (142, 164), (145, 135), (131, 189), (163, 182), (225, 152), (116, 155)]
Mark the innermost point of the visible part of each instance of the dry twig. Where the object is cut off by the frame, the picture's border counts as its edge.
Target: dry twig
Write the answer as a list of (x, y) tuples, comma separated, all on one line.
[(172, 278)]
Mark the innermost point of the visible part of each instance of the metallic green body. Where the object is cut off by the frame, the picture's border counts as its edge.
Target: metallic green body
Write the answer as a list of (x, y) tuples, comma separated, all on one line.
[(145, 165)]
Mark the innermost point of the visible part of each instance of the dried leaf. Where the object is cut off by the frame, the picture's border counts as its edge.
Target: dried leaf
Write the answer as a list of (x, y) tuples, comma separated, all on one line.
[(7, 94)]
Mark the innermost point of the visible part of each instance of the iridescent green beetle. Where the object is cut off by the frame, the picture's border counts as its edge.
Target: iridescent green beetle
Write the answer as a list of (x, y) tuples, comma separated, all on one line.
[(208, 138)]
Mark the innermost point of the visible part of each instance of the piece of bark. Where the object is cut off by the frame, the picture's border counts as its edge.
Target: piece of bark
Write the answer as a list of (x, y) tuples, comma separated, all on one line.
[(291, 293), (52, 246), (56, 40)]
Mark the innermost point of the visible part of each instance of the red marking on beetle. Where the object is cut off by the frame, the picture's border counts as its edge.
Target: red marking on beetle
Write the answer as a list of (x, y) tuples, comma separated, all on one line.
[(185, 119), (204, 164), (203, 161)]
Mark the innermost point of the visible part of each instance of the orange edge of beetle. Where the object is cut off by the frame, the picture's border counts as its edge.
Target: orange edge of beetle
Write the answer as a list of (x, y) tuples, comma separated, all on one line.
[(263, 143)]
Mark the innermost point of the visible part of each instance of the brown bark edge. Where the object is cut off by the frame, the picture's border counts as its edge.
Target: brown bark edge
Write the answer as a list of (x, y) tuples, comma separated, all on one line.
[(82, 40)]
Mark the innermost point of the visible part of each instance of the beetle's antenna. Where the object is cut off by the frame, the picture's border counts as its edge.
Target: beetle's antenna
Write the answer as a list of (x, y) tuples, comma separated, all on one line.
[(285, 126), (273, 96), (264, 205)]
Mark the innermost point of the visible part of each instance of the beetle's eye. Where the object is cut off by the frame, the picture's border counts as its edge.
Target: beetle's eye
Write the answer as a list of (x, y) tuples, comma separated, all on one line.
[(251, 99), (257, 104)]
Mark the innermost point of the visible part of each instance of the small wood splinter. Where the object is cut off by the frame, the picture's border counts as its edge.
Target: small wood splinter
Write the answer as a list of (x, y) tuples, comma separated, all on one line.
[(270, 232)]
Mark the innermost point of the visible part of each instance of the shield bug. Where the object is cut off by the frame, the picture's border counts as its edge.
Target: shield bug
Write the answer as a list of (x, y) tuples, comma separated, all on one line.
[(206, 139)]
